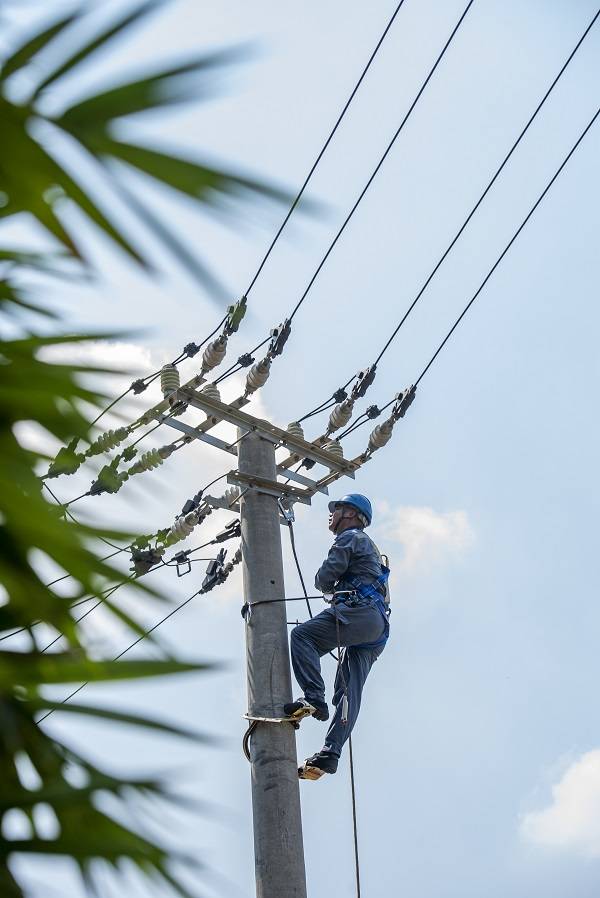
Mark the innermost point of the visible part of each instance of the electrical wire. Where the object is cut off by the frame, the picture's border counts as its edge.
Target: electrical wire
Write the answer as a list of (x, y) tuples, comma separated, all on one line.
[(507, 247), (150, 378), (124, 652), (487, 189), (237, 366), (85, 614), (368, 184), (328, 403), (64, 506), (106, 558), (324, 148), (127, 649), (495, 265), (381, 161), (173, 447), (483, 195)]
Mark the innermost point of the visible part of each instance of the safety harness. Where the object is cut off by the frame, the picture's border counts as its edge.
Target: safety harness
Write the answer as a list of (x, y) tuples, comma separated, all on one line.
[(375, 594)]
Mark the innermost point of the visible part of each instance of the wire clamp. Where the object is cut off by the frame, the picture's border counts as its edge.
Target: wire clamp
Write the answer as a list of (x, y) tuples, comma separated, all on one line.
[(287, 510), (182, 563)]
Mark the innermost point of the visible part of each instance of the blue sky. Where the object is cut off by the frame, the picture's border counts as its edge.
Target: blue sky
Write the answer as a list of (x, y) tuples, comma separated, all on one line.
[(477, 750)]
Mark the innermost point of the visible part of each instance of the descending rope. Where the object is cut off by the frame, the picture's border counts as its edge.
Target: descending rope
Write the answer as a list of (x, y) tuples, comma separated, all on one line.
[(339, 660), (298, 568), (324, 148)]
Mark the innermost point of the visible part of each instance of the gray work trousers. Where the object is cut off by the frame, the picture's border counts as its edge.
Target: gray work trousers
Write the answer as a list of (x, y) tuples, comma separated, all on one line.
[(312, 639)]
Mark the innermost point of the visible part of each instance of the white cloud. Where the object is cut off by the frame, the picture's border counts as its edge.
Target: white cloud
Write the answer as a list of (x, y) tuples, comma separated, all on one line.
[(427, 536), (572, 820)]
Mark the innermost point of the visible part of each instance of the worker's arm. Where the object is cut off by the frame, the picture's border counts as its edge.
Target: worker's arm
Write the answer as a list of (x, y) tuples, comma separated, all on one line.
[(337, 562)]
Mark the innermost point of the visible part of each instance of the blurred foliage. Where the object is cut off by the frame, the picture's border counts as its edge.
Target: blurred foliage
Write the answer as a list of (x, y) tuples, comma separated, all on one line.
[(35, 181), (40, 184)]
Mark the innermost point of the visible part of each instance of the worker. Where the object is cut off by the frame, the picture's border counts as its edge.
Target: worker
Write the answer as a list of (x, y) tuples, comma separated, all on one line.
[(353, 580)]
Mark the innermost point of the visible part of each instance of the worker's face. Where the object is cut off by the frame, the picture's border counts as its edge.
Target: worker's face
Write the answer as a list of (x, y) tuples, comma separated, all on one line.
[(335, 517)]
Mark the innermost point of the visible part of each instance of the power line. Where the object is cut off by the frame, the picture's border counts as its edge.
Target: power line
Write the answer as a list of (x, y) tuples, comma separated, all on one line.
[(381, 161), (467, 220), (141, 384), (242, 362), (138, 386), (324, 148), (494, 266), (140, 638), (487, 189), (287, 323), (118, 551), (128, 649), (64, 506), (506, 248)]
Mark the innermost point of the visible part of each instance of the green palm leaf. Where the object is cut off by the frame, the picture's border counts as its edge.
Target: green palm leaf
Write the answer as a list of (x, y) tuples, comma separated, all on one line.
[(100, 40), (25, 53)]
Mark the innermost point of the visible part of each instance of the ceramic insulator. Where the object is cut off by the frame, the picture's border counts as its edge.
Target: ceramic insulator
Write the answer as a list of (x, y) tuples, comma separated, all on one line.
[(335, 448), (380, 435), (182, 528), (258, 376), (146, 462), (230, 495), (169, 379), (295, 430), (108, 440), (214, 354), (340, 415), (211, 391)]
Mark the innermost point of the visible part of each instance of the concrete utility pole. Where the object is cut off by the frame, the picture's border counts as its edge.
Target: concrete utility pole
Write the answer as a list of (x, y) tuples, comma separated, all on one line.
[(278, 848)]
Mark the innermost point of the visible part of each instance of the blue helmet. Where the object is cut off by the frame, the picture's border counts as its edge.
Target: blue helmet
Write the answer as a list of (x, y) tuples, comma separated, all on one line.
[(361, 503)]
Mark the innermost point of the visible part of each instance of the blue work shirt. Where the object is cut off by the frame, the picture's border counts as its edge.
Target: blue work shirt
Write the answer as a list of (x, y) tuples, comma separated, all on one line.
[(353, 554)]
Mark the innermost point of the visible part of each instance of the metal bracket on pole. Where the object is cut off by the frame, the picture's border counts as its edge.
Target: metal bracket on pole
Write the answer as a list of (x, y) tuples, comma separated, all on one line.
[(217, 502), (233, 413), (271, 487)]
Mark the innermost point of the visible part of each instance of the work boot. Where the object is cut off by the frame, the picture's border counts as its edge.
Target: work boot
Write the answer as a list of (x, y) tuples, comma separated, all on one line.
[(318, 764), (303, 708)]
